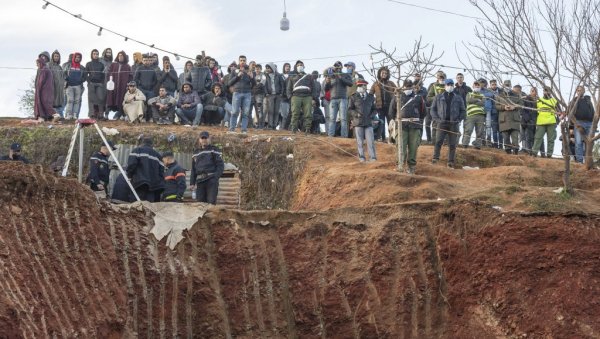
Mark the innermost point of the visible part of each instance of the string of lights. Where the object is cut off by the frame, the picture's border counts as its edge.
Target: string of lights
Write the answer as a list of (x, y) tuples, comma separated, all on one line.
[(101, 29)]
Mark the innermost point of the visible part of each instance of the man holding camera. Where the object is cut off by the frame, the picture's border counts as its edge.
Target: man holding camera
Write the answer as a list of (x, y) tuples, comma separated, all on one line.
[(338, 83)]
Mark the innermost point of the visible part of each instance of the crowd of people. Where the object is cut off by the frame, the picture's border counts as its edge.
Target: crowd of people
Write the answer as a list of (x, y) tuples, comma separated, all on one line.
[(249, 95)]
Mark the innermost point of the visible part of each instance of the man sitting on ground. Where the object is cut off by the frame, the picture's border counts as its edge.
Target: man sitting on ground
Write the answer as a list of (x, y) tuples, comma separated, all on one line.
[(163, 107)]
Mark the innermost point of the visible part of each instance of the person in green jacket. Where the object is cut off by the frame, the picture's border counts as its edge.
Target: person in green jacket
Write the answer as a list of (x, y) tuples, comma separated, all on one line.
[(547, 107), (475, 117)]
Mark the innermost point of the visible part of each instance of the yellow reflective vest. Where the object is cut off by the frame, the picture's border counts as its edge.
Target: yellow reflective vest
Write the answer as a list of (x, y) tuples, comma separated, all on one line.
[(546, 111)]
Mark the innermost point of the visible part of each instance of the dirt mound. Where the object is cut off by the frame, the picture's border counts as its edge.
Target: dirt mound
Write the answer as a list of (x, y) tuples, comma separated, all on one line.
[(526, 276), (71, 266), (332, 178)]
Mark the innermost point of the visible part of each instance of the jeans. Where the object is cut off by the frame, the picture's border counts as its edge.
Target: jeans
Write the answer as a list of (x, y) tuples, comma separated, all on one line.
[(579, 138), (450, 129), (477, 122), (187, 114), (259, 109), (341, 106), (73, 101), (496, 134), (284, 111), (362, 133), (227, 116), (240, 102), (271, 107), (429, 123), (326, 112)]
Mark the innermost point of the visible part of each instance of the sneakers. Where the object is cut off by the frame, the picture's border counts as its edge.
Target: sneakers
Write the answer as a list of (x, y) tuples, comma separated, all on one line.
[(450, 165), (361, 159), (410, 170), (435, 161), (372, 160)]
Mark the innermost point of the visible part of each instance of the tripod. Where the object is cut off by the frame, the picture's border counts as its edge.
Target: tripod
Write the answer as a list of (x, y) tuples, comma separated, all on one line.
[(79, 129)]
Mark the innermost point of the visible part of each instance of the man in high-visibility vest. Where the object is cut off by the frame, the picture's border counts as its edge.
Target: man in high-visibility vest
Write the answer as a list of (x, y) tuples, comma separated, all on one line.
[(475, 117), (546, 122)]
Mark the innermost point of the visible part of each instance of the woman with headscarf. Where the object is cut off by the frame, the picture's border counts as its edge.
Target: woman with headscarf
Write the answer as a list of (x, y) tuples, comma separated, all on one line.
[(121, 74), (44, 93)]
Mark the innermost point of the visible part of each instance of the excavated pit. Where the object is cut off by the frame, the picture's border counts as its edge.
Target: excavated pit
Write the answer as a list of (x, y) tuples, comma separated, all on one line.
[(71, 266)]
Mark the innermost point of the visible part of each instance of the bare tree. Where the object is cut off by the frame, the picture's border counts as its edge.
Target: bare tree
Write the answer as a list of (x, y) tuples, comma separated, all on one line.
[(581, 56), (529, 37), (420, 59)]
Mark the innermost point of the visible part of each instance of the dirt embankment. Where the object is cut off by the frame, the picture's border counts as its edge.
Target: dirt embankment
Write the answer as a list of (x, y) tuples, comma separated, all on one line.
[(71, 267)]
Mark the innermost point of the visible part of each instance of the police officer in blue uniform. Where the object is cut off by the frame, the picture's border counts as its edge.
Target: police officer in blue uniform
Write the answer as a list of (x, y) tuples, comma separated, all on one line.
[(207, 168)]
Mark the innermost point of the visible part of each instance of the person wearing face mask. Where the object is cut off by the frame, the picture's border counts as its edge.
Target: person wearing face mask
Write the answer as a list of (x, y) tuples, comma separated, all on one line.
[(412, 117), (354, 75), (547, 107), (509, 105), (447, 110), (362, 110), (475, 117), (434, 89), (301, 91)]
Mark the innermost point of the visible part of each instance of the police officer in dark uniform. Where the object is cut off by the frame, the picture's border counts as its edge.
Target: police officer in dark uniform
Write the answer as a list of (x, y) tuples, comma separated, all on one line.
[(207, 168), (15, 154), (99, 169), (174, 179)]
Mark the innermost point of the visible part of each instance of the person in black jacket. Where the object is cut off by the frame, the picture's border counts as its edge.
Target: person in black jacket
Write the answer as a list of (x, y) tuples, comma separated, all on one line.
[(274, 91), (584, 116), (241, 82), (99, 169), (214, 105), (146, 79), (146, 171), (362, 110), (447, 111), (96, 88), (207, 168), (168, 77), (174, 179), (412, 116), (302, 93)]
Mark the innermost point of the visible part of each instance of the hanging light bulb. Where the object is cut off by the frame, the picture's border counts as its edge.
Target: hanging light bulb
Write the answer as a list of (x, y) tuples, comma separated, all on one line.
[(177, 57), (100, 31), (126, 38), (45, 5), (284, 24)]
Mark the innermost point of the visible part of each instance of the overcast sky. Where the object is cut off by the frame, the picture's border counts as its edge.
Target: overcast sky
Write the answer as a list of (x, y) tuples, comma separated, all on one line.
[(224, 29)]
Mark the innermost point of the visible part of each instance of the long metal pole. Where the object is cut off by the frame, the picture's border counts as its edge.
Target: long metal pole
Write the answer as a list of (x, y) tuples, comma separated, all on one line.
[(117, 162), (81, 141)]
